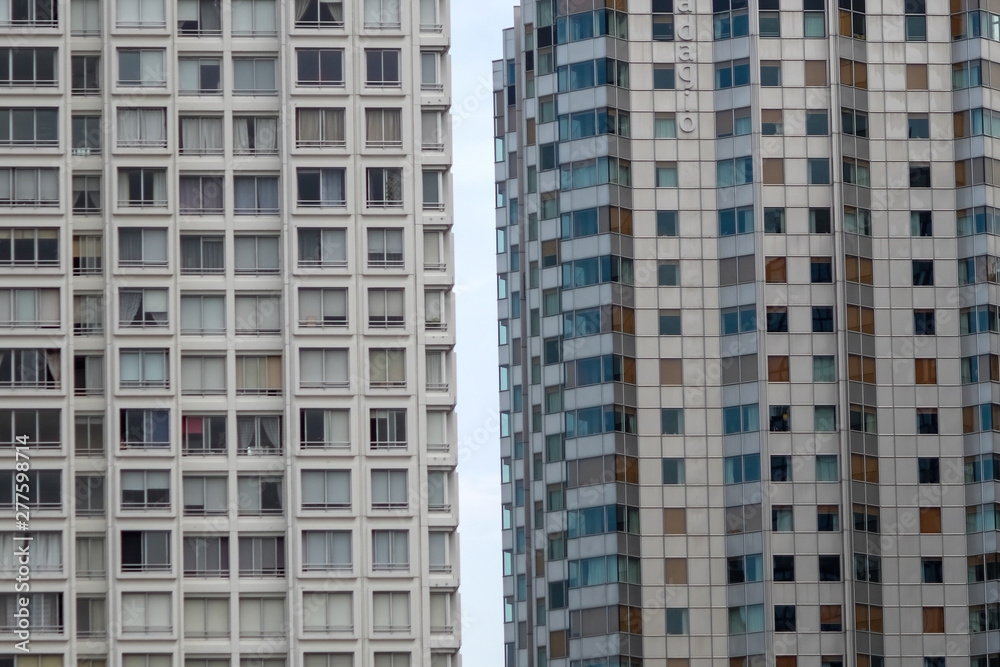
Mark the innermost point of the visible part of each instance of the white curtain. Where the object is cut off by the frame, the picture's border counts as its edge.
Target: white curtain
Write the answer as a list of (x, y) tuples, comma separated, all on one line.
[(428, 12), (241, 135), (309, 125), (263, 15), (242, 16), (301, 7), (272, 429), (266, 135), (154, 125), (151, 65), (435, 367), (429, 127), (332, 186), (188, 72), (337, 426), (245, 430), (128, 12), (152, 11), (128, 306), (267, 195)]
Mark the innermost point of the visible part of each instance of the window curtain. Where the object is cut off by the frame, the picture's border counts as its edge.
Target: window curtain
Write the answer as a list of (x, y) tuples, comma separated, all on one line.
[(438, 549), (335, 366), (301, 7), (266, 135), (25, 185), (435, 368), (309, 125), (52, 363), (264, 16), (94, 373), (432, 249), (151, 66), (335, 303), (242, 16), (373, 11), (159, 194), (152, 11), (334, 124), (428, 12), (271, 428), (392, 125), (267, 196), (432, 307), (128, 306), (245, 429), (373, 125), (429, 127), (211, 17), (432, 195), (241, 135), (154, 128), (332, 187), (190, 194), (394, 190)]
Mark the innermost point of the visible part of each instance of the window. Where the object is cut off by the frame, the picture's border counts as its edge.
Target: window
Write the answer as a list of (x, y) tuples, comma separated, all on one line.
[(255, 195), (817, 122), (784, 618), (430, 77), (387, 367), (432, 131), (730, 74), (774, 270), (773, 171), (830, 618), (85, 75), (262, 556), (746, 619), (27, 186), (927, 421), (89, 435), (822, 319), (921, 223), (323, 368), (203, 314), (206, 556), (205, 496), (255, 135), (324, 550), (259, 496), (142, 308), (781, 468), (777, 319), (85, 18), (141, 188), (390, 550), (91, 617), (323, 307), (87, 200), (140, 14), (663, 77), (923, 272), (34, 308), (673, 471), (668, 272), (866, 518), (818, 171), (732, 122), (258, 314), (853, 73), (143, 369), (89, 496), (326, 489), (384, 187), (769, 22), (852, 18), (740, 418), (856, 172), (201, 255), (320, 127), (827, 468), (255, 76), (677, 621), (141, 68), (771, 123), (258, 434), (739, 469), (203, 375), (387, 428), (433, 190), (327, 612), (731, 19), (200, 135), (145, 550), (672, 421), (199, 17), (920, 175), (381, 14), (385, 248), (770, 73), (930, 520), (828, 518), (854, 122), (928, 470), (745, 569), (933, 619), (779, 418), (738, 320), (254, 18), (28, 66), (262, 617), (783, 568), (320, 14), (918, 126), (821, 270), (256, 255), (782, 519), (916, 77), (199, 76), (200, 195), (206, 617), (86, 138)]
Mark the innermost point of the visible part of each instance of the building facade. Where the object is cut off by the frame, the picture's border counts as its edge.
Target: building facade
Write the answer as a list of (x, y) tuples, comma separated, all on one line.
[(747, 333), (226, 333)]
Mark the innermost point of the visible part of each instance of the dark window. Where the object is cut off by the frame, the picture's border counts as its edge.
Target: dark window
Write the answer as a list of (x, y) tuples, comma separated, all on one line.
[(918, 126), (779, 419), (923, 323), (777, 319), (822, 319), (781, 468), (931, 570), (784, 568), (923, 272), (920, 176), (920, 223), (927, 421), (929, 470), (784, 618), (829, 568), (821, 270)]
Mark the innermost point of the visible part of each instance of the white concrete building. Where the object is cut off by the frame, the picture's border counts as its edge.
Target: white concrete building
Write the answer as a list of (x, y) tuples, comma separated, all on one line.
[(226, 327)]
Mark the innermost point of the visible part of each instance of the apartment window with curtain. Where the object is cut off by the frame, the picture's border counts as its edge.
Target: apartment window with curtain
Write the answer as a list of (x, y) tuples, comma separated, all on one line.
[(255, 76), (201, 195), (89, 432), (434, 251), (88, 380), (319, 67), (40, 425), (202, 254), (85, 75), (143, 68), (87, 194), (142, 247), (323, 307), (324, 550), (387, 428), (327, 612), (263, 556), (199, 17), (432, 136), (145, 551), (262, 616), (146, 613), (140, 14), (323, 188), (31, 126), (385, 248), (437, 370), (324, 428), (143, 369), (141, 308), (258, 314), (325, 248), (255, 195), (203, 435), (435, 308), (87, 133), (390, 550), (386, 307), (91, 617), (255, 135), (430, 71), (259, 435), (433, 181), (382, 14), (382, 68), (142, 128), (29, 307), (389, 489), (34, 67), (384, 187), (199, 76), (319, 128), (204, 617), (387, 368), (28, 247), (203, 375), (258, 375), (430, 16), (206, 556), (28, 186), (326, 489), (254, 18), (205, 496), (319, 13), (85, 18), (142, 187), (383, 128), (259, 496), (203, 314), (391, 611), (324, 368), (256, 255)]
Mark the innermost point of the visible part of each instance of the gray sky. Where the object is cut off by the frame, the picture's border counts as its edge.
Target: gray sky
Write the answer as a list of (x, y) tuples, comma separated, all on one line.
[(476, 41)]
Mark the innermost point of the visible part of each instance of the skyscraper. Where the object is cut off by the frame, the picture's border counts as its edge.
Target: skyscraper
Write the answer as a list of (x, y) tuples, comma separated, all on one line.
[(226, 331), (747, 333)]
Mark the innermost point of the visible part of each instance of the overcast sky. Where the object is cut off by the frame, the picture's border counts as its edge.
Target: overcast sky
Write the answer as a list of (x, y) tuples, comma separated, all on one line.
[(476, 41)]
